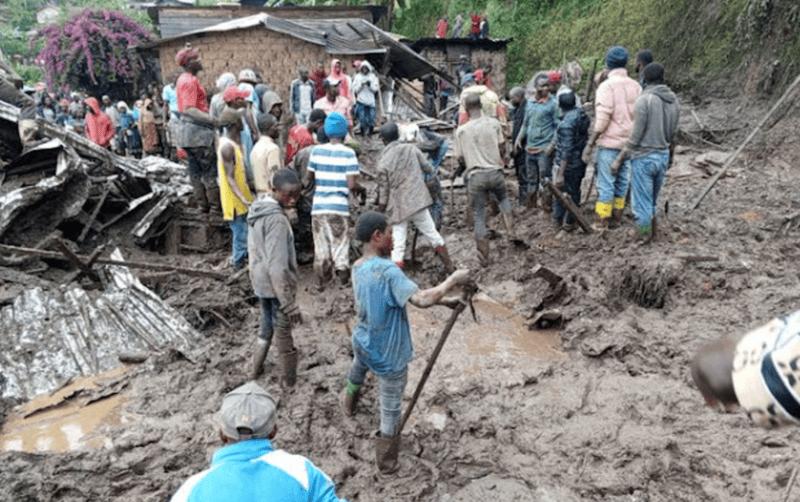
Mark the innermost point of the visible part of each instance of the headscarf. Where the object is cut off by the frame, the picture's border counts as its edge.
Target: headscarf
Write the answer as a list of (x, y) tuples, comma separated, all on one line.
[(616, 57), (226, 80), (335, 125), (341, 76)]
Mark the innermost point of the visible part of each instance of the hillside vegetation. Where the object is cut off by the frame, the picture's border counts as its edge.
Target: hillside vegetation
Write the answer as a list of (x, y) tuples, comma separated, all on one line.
[(709, 45)]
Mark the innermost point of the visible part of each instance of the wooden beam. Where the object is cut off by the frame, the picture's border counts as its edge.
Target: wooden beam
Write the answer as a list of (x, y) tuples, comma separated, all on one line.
[(569, 206)]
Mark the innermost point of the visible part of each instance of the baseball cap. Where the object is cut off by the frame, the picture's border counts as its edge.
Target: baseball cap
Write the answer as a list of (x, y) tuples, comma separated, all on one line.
[(233, 93), (248, 412)]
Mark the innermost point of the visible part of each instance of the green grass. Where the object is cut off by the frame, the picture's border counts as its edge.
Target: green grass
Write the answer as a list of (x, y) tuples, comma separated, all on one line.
[(698, 41)]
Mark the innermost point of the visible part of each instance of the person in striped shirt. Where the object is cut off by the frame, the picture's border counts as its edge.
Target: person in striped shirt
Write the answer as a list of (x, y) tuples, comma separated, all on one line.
[(333, 170)]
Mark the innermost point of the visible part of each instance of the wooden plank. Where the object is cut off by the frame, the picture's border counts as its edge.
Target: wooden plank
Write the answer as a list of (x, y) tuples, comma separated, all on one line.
[(569, 206), (95, 212)]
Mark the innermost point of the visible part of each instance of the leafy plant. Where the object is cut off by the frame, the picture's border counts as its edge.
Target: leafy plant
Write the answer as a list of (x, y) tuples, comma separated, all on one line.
[(91, 51)]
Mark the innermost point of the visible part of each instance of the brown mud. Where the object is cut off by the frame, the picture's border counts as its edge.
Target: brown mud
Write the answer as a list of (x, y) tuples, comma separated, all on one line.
[(601, 410)]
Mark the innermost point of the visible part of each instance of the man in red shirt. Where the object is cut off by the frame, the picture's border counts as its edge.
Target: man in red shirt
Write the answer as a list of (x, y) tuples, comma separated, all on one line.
[(97, 124), (197, 129), (475, 29), (441, 28), (302, 135)]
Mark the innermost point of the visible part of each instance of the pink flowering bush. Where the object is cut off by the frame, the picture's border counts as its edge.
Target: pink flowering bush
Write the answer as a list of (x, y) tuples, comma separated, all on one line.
[(91, 51)]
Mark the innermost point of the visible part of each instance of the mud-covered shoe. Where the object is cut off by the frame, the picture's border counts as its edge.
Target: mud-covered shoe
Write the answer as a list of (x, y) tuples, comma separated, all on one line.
[(387, 449)]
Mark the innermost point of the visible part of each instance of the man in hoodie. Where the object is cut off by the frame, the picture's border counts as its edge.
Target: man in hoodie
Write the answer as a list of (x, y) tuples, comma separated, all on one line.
[(365, 85), (405, 196), (248, 467), (301, 96), (650, 146), (273, 272), (97, 125), (538, 128), (613, 124)]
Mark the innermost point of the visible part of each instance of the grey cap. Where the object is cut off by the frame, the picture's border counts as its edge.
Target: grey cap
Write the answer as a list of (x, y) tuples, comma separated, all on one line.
[(247, 412)]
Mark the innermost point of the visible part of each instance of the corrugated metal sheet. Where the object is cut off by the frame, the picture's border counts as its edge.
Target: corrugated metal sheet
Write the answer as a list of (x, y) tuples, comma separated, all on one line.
[(349, 36), (53, 335)]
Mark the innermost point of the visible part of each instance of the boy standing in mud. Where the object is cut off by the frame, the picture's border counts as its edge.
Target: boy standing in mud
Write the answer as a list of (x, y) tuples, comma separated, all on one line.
[(273, 272), (382, 335)]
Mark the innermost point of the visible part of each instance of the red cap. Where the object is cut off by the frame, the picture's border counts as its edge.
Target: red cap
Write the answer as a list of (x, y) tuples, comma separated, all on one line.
[(233, 93), (183, 56), (554, 77)]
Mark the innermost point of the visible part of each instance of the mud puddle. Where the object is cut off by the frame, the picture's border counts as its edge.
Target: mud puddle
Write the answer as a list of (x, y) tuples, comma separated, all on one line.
[(69, 419), (499, 336)]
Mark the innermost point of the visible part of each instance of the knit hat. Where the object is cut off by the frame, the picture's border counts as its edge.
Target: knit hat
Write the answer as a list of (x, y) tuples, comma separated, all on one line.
[(248, 412), (616, 57), (335, 125), (183, 56)]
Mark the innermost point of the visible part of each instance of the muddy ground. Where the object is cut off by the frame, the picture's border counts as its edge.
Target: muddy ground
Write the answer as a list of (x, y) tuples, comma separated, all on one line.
[(602, 409)]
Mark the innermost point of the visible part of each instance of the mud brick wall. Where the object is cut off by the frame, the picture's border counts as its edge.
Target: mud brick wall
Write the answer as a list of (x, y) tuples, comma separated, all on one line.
[(275, 55)]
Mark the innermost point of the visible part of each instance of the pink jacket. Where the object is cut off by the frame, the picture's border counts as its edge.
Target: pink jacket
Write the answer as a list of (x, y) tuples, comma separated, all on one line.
[(614, 109)]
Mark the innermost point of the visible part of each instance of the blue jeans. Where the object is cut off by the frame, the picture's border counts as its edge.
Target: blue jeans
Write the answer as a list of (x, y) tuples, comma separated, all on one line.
[(238, 227), (390, 391), (573, 176), (537, 169), (366, 117), (611, 190), (649, 172)]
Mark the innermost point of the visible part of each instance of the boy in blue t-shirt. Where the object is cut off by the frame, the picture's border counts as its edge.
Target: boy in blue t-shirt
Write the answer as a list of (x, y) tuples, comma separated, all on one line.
[(382, 335)]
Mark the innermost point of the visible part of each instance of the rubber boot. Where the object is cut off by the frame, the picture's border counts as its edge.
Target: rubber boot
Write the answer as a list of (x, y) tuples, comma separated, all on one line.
[(199, 195), (387, 450), (441, 251), (350, 400), (616, 218), (600, 224), (483, 252), (289, 364), (214, 204), (259, 356), (532, 201), (547, 201)]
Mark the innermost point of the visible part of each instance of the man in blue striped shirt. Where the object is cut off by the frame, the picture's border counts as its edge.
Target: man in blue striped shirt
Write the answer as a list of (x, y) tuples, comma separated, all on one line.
[(333, 170)]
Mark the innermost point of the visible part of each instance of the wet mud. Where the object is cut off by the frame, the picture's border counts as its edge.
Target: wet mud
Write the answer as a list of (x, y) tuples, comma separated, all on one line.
[(602, 409)]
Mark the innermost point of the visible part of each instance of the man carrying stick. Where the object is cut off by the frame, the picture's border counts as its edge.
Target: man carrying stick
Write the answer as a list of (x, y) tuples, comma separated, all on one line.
[(382, 336)]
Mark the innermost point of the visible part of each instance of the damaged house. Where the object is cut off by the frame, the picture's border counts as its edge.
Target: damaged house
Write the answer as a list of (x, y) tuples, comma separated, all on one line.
[(276, 47)]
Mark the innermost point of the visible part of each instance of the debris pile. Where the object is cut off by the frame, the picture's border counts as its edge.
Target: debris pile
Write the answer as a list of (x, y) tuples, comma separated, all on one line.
[(64, 314)]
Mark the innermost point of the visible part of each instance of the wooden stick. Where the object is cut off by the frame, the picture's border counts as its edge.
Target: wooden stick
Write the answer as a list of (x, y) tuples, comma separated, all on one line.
[(735, 155), (790, 485), (590, 82), (95, 212), (570, 206), (465, 298), (52, 255), (78, 262)]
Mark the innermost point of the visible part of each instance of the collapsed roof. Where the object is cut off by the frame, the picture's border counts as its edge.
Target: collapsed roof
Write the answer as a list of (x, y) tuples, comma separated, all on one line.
[(348, 36)]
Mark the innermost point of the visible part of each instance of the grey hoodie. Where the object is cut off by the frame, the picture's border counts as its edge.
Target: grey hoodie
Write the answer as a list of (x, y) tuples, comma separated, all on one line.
[(655, 121), (270, 248)]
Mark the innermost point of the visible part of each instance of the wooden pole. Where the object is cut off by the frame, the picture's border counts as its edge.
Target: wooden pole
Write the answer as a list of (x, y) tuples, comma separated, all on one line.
[(569, 206), (728, 163), (465, 298), (51, 255)]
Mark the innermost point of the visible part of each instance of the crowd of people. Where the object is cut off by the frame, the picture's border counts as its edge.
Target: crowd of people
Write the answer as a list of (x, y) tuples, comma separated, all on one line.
[(478, 28), (286, 183)]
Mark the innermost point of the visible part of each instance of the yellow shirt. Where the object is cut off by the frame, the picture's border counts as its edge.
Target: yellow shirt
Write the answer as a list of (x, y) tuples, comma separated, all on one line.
[(231, 205)]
